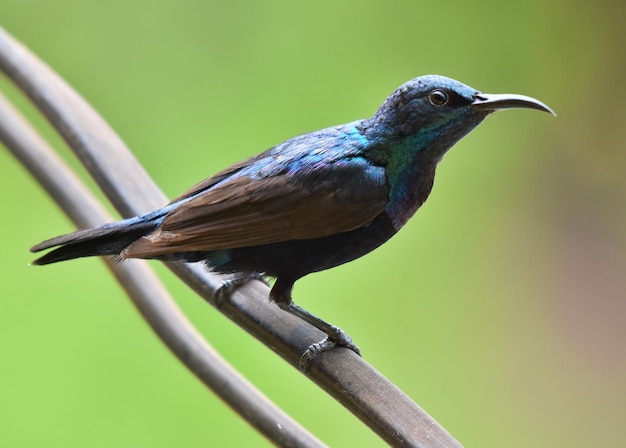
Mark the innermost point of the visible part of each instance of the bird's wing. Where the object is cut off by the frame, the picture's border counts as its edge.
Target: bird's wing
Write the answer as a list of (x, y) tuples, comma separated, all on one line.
[(248, 210)]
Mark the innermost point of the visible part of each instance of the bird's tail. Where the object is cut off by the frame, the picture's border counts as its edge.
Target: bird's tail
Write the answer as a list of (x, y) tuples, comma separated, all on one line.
[(109, 239)]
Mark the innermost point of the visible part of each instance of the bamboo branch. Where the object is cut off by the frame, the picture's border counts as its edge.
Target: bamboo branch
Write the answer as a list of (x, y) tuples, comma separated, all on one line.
[(347, 377)]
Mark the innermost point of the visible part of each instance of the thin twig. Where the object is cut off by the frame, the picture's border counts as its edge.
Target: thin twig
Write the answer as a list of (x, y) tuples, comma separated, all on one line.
[(359, 387)]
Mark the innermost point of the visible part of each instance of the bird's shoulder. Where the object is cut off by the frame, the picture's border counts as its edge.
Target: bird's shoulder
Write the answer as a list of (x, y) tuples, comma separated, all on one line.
[(315, 149)]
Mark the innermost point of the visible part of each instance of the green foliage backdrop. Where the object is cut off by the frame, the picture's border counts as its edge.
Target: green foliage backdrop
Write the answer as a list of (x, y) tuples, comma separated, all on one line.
[(500, 308)]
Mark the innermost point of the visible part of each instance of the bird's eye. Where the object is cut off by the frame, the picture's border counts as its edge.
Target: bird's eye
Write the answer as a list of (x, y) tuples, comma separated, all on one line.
[(438, 98)]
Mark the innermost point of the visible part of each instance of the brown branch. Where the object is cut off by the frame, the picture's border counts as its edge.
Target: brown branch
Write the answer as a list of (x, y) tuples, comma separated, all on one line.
[(359, 387)]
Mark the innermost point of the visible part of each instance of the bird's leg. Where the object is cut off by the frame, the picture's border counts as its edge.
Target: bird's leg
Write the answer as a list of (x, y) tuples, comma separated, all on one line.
[(281, 294), (229, 286), (335, 335)]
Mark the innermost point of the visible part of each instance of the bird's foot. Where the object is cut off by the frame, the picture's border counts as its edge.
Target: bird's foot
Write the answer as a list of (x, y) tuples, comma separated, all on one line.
[(335, 336), (281, 295), (229, 286)]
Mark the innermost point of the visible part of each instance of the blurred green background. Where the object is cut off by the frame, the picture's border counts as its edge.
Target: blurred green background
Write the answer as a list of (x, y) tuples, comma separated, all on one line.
[(500, 308)]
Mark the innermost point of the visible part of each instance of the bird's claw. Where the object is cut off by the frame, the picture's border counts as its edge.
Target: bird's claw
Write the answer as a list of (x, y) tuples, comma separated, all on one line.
[(336, 336), (312, 351)]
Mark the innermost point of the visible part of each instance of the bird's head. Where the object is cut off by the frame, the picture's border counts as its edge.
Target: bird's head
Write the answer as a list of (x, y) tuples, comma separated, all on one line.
[(435, 111)]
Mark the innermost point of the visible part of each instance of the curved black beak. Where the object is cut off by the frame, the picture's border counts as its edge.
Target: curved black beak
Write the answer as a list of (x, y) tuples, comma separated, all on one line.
[(495, 102)]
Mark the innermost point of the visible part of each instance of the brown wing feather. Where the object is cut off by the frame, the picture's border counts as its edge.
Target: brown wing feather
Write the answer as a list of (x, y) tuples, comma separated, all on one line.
[(244, 212)]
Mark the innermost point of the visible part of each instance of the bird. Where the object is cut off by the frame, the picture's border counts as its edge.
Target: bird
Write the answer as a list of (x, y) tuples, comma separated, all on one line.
[(311, 203)]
